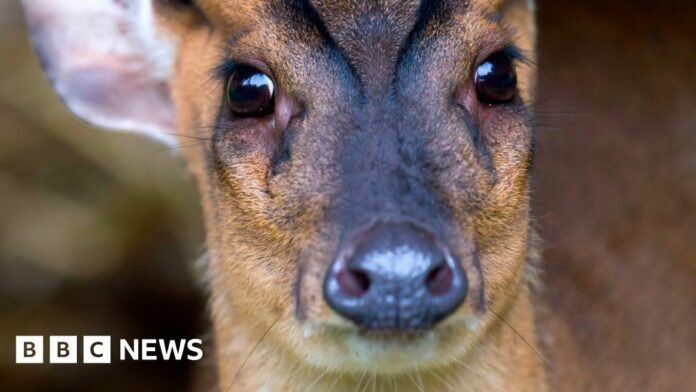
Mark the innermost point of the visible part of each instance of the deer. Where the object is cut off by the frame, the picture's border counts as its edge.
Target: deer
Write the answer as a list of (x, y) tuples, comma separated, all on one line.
[(365, 172)]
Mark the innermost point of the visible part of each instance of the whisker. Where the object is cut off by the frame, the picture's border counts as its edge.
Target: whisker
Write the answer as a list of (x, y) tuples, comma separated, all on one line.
[(182, 146), (336, 381), (442, 380), (294, 371), (367, 383), (450, 378), (239, 372), (538, 354), (183, 136), (414, 382), (357, 387), (474, 371), (420, 381), (317, 379)]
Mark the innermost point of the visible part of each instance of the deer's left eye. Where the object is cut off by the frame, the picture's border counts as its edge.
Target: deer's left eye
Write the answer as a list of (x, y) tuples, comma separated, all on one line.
[(496, 80), (250, 92)]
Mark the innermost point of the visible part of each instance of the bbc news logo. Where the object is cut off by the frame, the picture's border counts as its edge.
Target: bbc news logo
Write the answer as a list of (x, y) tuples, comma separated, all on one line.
[(97, 349)]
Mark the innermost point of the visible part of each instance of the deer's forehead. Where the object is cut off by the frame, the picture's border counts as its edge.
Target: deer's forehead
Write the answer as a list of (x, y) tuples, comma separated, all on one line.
[(370, 34), (343, 19), (341, 8)]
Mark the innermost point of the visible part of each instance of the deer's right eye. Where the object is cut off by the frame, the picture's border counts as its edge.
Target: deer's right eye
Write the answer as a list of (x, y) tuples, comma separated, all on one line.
[(250, 92), (495, 79)]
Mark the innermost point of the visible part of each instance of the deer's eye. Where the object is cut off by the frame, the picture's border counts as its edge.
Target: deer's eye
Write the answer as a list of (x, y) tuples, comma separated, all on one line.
[(496, 80), (250, 92)]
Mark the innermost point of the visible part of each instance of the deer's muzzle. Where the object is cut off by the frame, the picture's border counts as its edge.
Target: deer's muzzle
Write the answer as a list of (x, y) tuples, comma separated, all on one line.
[(395, 276)]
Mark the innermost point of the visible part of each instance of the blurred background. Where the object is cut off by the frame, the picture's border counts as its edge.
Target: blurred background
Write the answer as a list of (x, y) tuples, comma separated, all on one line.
[(99, 232)]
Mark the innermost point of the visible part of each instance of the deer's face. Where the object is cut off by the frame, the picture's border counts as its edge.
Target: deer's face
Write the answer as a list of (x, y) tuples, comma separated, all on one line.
[(363, 167)]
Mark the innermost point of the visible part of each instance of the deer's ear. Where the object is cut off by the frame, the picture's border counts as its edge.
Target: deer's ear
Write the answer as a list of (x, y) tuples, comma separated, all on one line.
[(109, 60)]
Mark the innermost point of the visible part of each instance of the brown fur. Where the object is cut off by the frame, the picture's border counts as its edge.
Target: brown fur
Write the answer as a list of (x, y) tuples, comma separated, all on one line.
[(271, 238), (376, 117)]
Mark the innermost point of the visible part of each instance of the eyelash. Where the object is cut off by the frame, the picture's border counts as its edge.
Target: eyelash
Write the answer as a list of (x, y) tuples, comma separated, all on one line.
[(517, 56), (223, 71)]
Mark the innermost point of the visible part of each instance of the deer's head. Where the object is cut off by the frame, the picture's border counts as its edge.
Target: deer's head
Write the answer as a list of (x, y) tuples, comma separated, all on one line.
[(363, 165)]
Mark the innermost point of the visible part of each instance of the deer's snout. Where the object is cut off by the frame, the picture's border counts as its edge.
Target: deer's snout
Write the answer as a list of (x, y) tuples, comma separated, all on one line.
[(395, 276)]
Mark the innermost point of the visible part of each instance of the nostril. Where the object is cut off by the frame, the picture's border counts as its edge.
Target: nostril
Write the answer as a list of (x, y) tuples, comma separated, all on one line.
[(394, 276), (439, 279), (352, 282)]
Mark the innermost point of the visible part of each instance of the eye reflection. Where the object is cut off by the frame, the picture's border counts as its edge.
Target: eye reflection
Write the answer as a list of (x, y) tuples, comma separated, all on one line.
[(496, 80), (250, 92)]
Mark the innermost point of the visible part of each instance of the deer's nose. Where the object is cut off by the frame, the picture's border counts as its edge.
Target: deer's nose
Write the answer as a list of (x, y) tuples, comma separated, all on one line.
[(395, 276)]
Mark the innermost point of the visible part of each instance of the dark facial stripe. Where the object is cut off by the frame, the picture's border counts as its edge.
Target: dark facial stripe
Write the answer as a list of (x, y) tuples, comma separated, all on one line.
[(432, 14), (300, 14), (300, 311), (302, 18), (303, 21)]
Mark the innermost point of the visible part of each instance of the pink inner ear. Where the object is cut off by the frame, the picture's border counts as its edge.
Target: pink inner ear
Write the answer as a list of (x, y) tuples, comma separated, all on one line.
[(119, 99), (108, 60)]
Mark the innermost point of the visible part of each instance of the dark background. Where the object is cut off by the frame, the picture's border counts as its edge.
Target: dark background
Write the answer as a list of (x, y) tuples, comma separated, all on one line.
[(99, 232)]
